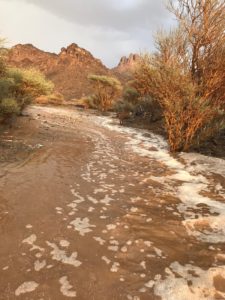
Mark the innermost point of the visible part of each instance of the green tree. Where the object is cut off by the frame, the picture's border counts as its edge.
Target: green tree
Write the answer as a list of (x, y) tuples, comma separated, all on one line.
[(18, 87), (28, 84), (106, 89)]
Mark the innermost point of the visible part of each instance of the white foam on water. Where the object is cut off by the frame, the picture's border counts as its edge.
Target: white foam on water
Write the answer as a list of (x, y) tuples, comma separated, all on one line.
[(188, 177), (106, 200), (193, 283), (79, 198), (60, 255), (39, 265), (59, 208), (93, 200), (106, 260), (204, 163), (73, 206), (143, 265), (29, 226), (124, 249), (91, 209), (103, 217), (111, 226), (99, 240), (150, 284), (66, 287), (115, 267), (30, 241), (129, 243), (148, 243), (64, 243), (210, 228), (158, 251), (113, 248), (26, 287), (82, 225), (134, 209), (100, 190), (38, 255), (129, 297)]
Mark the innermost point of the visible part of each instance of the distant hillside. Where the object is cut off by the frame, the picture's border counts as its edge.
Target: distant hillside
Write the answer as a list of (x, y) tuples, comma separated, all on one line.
[(68, 70), (126, 66)]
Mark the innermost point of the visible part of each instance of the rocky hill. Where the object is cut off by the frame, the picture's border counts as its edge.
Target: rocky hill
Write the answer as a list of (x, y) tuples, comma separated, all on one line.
[(68, 70), (126, 66)]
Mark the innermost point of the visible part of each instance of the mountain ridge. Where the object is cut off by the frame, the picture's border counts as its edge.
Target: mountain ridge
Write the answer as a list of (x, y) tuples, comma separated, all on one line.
[(69, 69)]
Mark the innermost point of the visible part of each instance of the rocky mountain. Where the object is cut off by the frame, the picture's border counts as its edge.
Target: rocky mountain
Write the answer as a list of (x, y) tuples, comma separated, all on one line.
[(68, 70), (126, 66), (128, 62)]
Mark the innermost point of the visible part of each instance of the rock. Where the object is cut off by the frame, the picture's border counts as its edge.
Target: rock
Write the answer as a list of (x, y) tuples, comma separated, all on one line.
[(127, 63)]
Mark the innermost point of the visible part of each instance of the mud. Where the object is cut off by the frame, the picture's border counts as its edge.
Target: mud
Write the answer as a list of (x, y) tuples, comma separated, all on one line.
[(92, 210)]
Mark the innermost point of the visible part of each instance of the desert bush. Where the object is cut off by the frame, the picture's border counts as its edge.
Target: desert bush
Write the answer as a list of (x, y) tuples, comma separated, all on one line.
[(29, 82), (19, 87), (106, 90), (123, 106), (131, 95), (2, 66), (186, 74), (90, 101), (8, 107)]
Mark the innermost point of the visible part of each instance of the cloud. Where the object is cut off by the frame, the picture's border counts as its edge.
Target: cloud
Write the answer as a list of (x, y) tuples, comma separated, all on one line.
[(109, 29), (117, 14)]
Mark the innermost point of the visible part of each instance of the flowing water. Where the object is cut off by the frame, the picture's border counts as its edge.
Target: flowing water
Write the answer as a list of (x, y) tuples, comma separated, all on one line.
[(100, 211)]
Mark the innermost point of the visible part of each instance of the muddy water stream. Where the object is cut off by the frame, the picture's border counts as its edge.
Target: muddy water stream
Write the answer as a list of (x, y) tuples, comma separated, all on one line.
[(99, 211)]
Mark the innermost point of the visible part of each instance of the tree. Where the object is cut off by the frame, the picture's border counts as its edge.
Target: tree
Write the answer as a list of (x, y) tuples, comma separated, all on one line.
[(106, 90), (203, 25), (28, 84), (186, 74), (18, 87)]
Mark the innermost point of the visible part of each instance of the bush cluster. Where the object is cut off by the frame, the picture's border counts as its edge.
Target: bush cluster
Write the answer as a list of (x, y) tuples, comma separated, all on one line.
[(18, 87), (106, 90)]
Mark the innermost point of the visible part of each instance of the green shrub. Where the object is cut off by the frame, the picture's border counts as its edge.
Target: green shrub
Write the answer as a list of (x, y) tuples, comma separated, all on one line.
[(124, 106), (131, 95), (9, 106), (30, 83), (91, 101), (19, 87), (6, 87), (106, 90)]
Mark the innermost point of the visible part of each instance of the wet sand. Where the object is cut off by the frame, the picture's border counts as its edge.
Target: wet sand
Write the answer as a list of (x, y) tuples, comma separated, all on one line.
[(93, 210)]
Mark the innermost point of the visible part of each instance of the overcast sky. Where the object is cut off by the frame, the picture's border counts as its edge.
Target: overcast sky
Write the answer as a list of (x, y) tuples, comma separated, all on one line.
[(107, 28)]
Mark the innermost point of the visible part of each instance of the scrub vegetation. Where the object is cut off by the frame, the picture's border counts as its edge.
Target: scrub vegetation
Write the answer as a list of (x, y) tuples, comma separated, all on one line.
[(19, 87)]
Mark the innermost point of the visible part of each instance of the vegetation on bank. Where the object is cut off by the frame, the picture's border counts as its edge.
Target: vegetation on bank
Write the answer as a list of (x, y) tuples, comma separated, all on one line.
[(106, 90), (186, 75), (184, 80), (19, 87)]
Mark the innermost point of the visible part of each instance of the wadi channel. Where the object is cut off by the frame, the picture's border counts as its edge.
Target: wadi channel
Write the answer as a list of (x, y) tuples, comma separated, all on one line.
[(90, 209)]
